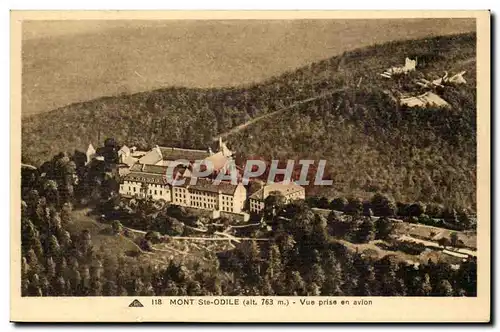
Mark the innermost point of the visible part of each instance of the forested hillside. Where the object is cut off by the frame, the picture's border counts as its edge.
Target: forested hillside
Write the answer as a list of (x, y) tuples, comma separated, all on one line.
[(370, 144), (65, 252)]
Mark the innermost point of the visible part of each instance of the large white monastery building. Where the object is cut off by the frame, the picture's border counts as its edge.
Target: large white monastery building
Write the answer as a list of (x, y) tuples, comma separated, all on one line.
[(143, 174)]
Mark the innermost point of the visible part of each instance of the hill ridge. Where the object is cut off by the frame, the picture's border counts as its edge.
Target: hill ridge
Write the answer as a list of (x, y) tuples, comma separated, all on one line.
[(435, 149)]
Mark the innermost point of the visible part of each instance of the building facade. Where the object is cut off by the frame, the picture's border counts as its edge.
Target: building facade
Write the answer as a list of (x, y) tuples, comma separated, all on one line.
[(149, 181), (144, 176), (290, 192)]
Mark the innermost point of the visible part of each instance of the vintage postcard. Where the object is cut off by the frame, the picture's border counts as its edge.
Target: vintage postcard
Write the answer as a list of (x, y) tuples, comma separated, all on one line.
[(294, 166)]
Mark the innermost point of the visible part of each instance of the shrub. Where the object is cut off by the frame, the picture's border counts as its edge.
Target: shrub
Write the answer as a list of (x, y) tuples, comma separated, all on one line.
[(153, 236), (116, 227)]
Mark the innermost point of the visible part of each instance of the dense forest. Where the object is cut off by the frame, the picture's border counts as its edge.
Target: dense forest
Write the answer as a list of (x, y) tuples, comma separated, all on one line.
[(302, 257), (370, 143)]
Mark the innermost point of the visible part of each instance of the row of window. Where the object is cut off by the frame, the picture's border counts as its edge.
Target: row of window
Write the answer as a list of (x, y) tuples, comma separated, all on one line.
[(203, 205), (256, 205), (204, 199), (156, 192), (227, 208), (129, 188)]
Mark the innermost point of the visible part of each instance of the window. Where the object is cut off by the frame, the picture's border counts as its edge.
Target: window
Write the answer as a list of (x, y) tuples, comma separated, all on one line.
[(155, 191), (134, 189)]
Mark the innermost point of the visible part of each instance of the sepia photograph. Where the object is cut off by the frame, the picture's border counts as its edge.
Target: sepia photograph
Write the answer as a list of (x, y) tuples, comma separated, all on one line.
[(222, 160)]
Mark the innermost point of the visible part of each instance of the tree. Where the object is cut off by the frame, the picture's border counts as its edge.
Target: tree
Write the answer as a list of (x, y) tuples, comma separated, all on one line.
[(296, 285), (85, 243), (65, 240), (354, 207), (444, 242), (424, 288), (272, 204), (51, 192), (50, 268), (96, 288), (275, 266), (286, 244), (54, 249), (323, 203), (402, 209), (60, 286), (24, 267), (464, 221), (29, 234), (453, 239), (444, 288), (316, 275), (109, 151), (154, 237), (110, 288), (251, 263), (367, 280), (33, 263), (66, 213), (174, 227), (383, 228), (339, 204), (146, 245), (366, 231), (383, 206), (313, 289), (171, 288), (116, 227), (450, 215), (416, 209), (434, 210)]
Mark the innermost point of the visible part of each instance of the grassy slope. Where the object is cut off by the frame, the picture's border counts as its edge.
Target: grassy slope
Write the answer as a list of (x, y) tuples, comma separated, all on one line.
[(368, 143)]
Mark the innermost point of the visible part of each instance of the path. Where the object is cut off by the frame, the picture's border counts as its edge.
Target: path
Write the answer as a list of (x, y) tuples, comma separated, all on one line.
[(437, 246), (268, 115)]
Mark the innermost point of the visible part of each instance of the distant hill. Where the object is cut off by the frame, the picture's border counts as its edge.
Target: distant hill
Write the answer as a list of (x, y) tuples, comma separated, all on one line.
[(369, 143)]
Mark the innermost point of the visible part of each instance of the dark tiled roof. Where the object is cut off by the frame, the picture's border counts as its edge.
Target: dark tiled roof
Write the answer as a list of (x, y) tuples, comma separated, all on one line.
[(178, 154), (153, 169), (208, 185), (259, 194)]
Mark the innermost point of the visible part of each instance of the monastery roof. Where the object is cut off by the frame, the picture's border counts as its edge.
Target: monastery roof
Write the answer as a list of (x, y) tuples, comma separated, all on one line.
[(152, 157), (169, 153), (152, 169), (218, 160), (226, 188), (129, 160), (124, 149)]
